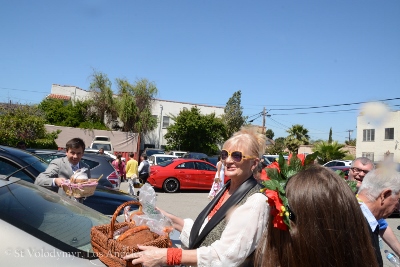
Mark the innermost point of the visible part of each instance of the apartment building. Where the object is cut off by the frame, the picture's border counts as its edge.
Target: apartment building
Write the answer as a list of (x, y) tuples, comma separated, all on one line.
[(376, 140)]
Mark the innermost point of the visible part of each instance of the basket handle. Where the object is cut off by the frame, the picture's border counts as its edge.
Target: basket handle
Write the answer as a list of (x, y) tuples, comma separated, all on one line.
[(116, 213)]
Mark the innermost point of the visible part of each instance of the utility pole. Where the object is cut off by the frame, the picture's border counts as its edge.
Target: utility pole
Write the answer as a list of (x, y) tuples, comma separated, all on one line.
[(263, 124), (350, 131), (159, 130)]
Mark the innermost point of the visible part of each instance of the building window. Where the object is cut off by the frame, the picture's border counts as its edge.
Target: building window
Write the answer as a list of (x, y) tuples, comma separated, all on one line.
[(369, 155), (165, 123), (369, 135), (389, 133)]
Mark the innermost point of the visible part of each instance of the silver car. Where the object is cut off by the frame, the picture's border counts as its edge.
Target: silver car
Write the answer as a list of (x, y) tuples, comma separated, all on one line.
[(42, 228)]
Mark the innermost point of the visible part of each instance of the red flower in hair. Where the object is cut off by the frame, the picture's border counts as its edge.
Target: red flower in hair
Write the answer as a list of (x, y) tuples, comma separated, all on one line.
[(277, 209), (301, 157)]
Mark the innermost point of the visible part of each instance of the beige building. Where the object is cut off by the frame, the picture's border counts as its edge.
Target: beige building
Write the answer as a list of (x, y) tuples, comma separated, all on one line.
[(375, 140), (162, 109)]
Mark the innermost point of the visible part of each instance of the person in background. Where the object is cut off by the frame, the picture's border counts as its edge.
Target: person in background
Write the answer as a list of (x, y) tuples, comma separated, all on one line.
[(132, 173), (227, 231), (119, 165), (61, 169), (21, 145), (220, 175), (378, 196), (101, 151), (359, 168), (315, 237)]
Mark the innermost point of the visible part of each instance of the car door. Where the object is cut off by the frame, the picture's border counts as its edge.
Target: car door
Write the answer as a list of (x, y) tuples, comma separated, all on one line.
[(186, 173), (205, 174)]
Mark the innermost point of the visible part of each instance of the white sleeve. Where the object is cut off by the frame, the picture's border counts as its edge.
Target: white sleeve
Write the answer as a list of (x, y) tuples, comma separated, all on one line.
[(140, 166), (243, 231), (187, 227)]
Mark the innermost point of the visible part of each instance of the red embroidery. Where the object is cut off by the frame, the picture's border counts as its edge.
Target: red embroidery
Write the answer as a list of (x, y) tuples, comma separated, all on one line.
[(219, 204)]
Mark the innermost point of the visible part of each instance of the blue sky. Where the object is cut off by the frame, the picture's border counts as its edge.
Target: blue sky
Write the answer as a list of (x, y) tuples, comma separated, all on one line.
[(280, 54)]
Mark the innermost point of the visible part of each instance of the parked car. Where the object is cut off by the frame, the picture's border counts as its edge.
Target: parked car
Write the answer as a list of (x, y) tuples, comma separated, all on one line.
[(43, 228), (213, 160), (333, 163), (152, 151), (28, 166), (273, 158), (156, 159), (195, 155), (179, 154), (99, 165), (102, 142), (344, 169), (181, 173)]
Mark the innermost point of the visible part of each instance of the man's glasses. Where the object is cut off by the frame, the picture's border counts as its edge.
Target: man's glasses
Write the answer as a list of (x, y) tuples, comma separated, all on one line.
[(355, 169), (237, 156)]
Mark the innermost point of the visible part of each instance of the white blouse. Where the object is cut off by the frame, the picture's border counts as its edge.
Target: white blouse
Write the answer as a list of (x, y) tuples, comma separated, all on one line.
[(244, 229)]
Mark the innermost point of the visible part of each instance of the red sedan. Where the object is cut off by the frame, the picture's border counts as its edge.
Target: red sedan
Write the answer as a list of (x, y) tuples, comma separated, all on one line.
[(180, 173)]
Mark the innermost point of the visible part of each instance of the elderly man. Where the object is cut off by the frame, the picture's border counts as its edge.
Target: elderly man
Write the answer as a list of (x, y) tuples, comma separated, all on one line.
[(359, 168), (379, 196)]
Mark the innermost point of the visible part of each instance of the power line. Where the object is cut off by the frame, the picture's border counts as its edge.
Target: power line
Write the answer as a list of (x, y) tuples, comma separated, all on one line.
[(327, 111), (337, 105)]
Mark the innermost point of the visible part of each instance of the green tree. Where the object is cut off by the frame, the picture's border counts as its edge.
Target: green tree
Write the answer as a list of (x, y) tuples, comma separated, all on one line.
[(330, 136), (329, 151), (24, 123), (277, 148), (102, 95), (79, 114), (193, 131), (298, 135), (134, 105), (233, 117), (269, 134)]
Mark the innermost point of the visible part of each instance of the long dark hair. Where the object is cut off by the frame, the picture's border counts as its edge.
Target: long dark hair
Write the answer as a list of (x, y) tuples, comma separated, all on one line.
[(329, 228)]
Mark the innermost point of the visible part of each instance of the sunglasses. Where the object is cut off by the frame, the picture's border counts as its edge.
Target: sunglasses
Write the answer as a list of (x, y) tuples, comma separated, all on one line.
[(237, 156)]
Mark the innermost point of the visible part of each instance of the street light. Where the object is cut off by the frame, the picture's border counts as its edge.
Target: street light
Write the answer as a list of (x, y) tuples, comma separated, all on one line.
[(159, 130)]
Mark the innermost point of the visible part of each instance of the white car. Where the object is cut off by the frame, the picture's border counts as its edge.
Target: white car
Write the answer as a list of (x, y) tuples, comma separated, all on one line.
[(179, 154), (103, 142), (156, 159), (333, 163)]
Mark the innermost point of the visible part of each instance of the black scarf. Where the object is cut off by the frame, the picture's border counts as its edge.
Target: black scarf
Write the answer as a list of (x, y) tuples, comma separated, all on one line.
[(195, 239)]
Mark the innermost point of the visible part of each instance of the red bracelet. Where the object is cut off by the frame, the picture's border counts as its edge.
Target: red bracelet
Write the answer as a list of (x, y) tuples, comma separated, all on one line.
[(174, 256)]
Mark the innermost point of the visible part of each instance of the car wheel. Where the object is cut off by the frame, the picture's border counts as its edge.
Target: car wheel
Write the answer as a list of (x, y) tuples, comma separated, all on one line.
[(171, 185)]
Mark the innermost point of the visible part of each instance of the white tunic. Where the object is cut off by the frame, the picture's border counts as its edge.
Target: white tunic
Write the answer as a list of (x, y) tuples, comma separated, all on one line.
[(244, 229)]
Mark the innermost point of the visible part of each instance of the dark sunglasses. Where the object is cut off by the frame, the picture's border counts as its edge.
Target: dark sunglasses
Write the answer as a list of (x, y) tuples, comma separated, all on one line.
[(237, 156)]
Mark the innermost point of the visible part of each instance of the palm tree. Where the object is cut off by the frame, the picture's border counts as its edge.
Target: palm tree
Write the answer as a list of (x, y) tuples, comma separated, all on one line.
[(298, 135), (328, 152)]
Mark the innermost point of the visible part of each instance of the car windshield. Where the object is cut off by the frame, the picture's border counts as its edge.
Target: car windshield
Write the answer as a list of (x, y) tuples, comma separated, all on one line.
[(163, 159), (104, 146), (61, 222)]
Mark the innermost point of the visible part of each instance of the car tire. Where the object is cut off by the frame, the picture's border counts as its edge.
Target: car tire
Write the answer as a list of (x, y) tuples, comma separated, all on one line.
[(171, 185)]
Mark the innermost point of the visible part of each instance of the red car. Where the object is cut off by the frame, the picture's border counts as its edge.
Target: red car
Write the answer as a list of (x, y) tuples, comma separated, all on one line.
[(180, 173)]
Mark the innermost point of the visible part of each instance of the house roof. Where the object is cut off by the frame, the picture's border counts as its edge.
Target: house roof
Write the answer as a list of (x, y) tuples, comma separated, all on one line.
[(62, 97)]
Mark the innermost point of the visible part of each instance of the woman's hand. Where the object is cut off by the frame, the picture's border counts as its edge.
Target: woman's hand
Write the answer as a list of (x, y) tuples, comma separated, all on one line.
[(149, 256), (177, 222)]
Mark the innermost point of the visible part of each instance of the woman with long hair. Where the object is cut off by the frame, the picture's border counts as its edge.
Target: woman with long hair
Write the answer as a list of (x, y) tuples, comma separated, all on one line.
[(326, 225), (119, 165)]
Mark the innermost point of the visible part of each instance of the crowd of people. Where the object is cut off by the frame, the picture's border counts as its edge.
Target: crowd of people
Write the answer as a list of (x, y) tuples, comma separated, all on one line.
[(315, 219)]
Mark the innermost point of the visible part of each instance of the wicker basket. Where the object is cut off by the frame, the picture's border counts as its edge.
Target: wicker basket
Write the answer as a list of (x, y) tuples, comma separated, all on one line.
[(79, 190), (111, 251)]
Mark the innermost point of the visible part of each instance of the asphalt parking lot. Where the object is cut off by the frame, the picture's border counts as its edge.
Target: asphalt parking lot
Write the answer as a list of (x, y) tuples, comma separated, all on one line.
[(188, 204)]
